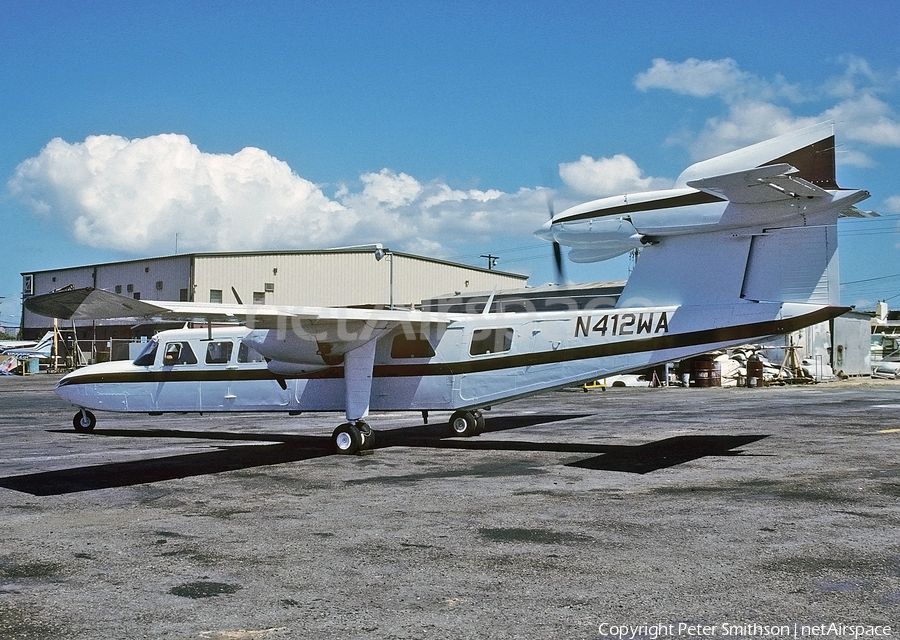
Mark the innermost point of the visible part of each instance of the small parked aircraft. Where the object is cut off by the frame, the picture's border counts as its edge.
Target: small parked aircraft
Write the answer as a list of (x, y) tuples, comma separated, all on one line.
[(28, 348), (25, 350), (742, 248)]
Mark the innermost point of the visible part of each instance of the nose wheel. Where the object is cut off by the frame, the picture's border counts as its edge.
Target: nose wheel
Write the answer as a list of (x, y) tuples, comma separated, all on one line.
[(467, 423), (84, 421)]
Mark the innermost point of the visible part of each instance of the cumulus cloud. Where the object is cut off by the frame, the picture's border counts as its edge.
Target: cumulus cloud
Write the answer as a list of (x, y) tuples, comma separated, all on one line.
[(868, 119), (892, 204), (608, 176), (135, 195), (759, 108), (747, 122), (699, 78)]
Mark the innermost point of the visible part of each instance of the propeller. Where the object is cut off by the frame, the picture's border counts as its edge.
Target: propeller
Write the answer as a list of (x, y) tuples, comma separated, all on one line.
[(557, 251)]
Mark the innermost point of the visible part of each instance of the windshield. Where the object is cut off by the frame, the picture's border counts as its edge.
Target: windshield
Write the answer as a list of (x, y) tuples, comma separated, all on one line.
[(148, 355)]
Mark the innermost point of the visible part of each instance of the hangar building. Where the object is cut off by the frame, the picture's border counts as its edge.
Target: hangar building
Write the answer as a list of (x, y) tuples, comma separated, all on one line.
[(356, 276)]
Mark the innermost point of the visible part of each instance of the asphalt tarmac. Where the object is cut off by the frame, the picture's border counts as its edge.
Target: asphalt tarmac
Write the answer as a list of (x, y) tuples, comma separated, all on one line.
[(644, 513)]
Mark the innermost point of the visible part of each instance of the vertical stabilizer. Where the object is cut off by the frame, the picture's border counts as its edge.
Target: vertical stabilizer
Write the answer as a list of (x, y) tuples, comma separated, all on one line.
[(772, 235)]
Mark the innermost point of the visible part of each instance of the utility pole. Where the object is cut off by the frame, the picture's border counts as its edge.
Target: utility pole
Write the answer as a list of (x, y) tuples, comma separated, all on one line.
[(492, 260)]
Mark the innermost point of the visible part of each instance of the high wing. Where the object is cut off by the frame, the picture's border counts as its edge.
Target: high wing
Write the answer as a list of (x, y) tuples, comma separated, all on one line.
[(294, 340), (89, 303)]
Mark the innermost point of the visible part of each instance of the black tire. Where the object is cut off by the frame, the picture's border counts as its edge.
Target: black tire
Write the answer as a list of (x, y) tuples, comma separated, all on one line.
[(367, 435), (84, 421), (347, 439), (463, 423), (479, 423)]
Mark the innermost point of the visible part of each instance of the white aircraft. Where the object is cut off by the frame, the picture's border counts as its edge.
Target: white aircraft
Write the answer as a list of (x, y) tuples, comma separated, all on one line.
[(744, 247), (43, 348)]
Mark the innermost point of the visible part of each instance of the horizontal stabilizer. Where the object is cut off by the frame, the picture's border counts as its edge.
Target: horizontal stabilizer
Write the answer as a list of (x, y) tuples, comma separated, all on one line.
[(763, 184), (853, 212)]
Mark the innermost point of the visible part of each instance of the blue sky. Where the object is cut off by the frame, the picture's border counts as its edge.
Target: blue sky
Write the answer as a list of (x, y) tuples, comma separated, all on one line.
[(433, 127)]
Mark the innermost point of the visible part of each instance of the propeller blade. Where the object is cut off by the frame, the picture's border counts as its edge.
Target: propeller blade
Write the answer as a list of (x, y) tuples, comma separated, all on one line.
[(558, 259), (557, 250)]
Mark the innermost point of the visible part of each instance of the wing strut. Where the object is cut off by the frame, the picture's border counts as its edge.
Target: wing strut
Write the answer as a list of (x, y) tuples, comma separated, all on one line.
[(358, 366), (355, 434)]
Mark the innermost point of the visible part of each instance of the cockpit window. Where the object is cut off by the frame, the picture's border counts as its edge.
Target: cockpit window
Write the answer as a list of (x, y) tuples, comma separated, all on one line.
[(219, 352), (178, 353), (148, 356)]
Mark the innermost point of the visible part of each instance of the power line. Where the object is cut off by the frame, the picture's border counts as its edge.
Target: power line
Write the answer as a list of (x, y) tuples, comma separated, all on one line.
[(896, 275)]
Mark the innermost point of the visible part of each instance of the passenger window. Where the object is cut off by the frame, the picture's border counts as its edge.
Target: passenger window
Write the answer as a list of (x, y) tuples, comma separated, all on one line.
[(490, 341), (248, 354), (416, 347), (179, 353), (148, 356), (219, 352)]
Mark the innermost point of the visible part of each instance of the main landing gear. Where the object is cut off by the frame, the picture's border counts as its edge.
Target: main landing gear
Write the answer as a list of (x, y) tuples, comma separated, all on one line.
[(84, 421), (467, 423), (350, 438)]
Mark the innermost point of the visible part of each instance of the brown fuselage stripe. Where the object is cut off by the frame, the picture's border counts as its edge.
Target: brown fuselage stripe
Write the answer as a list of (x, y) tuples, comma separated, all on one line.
[(656, 343), (686, 200)]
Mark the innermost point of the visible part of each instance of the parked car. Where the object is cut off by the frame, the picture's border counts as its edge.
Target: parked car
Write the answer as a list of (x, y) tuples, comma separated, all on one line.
[(626, 380)]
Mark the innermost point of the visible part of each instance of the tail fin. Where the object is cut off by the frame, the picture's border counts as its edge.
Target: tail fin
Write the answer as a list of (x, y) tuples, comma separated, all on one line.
[(771, 236)]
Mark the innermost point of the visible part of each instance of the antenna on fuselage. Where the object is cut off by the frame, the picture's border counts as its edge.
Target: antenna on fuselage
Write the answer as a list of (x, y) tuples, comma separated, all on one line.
[(490, 301)]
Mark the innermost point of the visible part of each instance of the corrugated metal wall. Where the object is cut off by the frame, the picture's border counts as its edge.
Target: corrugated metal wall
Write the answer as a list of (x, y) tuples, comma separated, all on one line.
[(337, 278), (153, 279), (150, 279), (312, 278)]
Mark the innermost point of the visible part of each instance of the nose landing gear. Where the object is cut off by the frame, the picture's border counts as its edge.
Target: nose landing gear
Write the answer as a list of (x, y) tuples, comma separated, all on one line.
[(84, 421)]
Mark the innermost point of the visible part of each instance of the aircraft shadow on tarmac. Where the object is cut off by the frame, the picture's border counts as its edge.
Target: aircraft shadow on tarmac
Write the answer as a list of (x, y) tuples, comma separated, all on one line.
[(639, 459)]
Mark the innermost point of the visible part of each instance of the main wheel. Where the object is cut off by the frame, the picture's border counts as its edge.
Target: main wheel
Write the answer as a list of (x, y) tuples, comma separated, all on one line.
[(367, 435), (463, 423), (84, 421), (479, 423), (347, 439)]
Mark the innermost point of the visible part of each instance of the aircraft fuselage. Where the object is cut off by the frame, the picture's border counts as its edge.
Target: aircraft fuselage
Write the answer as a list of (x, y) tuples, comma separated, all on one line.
[(473, 361)]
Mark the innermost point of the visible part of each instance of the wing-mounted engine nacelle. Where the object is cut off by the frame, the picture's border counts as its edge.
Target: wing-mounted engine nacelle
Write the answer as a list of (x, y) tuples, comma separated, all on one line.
[(609, 227), (287, 369), (288, 347), (594, 239), (318, 345)]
